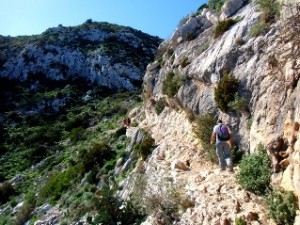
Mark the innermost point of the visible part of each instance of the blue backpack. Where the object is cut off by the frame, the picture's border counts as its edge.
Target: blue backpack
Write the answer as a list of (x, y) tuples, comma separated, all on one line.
[(223, 133)]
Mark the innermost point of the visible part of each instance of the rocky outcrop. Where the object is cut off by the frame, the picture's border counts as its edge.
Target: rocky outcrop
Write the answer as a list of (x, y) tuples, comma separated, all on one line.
[(104, 54)]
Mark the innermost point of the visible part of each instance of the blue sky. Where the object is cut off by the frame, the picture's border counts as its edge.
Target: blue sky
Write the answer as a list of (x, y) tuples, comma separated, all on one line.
[(155, 17)]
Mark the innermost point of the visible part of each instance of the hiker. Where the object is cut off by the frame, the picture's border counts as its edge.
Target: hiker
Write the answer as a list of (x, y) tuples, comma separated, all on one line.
[(127, 122), (221, 136)]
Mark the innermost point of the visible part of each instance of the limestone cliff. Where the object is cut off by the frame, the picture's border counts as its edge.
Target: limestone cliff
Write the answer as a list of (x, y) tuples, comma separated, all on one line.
[(102, 54), (267, 68)]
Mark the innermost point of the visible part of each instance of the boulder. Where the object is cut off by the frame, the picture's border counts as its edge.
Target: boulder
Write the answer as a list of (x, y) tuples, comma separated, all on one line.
[(177, 164), (230, 7), (152, 66)]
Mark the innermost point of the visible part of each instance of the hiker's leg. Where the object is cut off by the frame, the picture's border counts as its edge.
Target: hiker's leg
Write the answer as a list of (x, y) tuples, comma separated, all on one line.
[(220, 154), (227, 156)]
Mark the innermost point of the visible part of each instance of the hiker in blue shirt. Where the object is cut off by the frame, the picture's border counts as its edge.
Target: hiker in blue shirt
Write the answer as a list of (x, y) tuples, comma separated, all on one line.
[(221, 136)]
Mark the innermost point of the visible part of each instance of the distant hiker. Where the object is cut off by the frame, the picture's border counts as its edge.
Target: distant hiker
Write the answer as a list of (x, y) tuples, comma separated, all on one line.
[(221, 136), (127, 122)]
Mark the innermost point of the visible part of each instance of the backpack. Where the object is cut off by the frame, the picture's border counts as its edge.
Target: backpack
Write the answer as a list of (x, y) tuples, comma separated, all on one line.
[(223, 133)]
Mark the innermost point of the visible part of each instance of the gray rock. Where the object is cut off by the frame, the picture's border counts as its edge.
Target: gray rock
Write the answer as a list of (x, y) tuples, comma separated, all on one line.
[(230, 7)]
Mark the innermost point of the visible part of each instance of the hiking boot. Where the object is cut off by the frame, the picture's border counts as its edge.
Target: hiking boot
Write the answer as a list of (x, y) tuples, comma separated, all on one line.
[(231, 169)]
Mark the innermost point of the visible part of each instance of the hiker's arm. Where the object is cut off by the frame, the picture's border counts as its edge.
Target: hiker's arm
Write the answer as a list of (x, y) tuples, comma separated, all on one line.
[(213, 138)]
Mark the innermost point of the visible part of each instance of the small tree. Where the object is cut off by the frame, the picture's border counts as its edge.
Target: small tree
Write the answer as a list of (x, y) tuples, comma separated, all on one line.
[(203, 129), (171, 84), (215, 4), (222, 27), (225, 91), (159, 106)]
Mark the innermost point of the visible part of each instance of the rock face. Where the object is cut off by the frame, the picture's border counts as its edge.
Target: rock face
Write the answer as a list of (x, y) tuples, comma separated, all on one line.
[(104, 54), (268, 75)]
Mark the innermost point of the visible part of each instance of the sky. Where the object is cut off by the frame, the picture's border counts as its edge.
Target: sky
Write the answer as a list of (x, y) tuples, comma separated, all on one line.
[(155, 17)]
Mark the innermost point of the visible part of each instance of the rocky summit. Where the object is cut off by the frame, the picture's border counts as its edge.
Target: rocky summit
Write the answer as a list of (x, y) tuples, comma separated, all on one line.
[(104, 54), (153, 164)]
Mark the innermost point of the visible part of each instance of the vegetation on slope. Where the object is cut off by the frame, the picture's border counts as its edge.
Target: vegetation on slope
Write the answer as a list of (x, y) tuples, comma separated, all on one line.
[(61, 156)]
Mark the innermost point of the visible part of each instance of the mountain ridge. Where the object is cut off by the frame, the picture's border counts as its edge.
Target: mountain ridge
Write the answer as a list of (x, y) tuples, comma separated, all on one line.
[(105, 54)]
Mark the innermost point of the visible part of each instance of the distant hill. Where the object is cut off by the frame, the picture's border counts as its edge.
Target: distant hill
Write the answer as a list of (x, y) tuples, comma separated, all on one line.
[(104, 54)]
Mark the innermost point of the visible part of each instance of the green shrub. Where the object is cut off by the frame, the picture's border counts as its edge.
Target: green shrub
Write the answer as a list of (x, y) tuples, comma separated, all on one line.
[(249, 123), (57, 185), (203, 47), (281, 207), (255, 172), (270, 8), (260, 28), (6, 191), (201, 7), (188, 36), (23, 214), (159, 106), (121, 131), (225, 91), (171, 84), (223, 26), (77, 134), (184, 62), (144, 148), (183, 20), (215, 4), (76, 121), (239, 103), (240, 221), (96, 156), (203, 128)]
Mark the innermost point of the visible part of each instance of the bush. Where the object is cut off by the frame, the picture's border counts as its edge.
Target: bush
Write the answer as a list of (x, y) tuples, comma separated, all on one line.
[(270, 8), (6, 191), (184, 62), (144, 148), (171, 84), (239, 103), (96, 156), (203, 128), (164, 198), (249, 123), (203, 6), (159, 106), (260, 28), (222, 27), (77, 134), (225, 91), (23, 214), (255, 172), (215, 4), (183, 20), (203, 47), (239, 221), (281, 207), (188, 36), (57, 185)]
